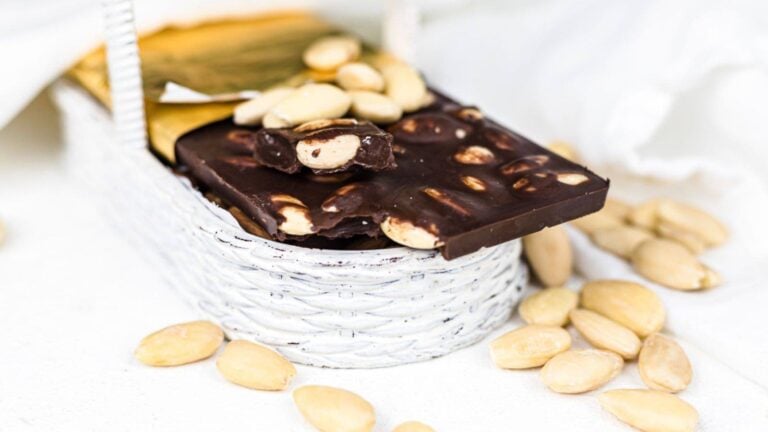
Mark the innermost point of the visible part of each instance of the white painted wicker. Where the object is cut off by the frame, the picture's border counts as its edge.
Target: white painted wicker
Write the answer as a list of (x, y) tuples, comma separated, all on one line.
[(318, 307)]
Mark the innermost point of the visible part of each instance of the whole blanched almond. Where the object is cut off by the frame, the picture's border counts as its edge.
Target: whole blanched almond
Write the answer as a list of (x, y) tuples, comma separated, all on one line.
[(580, 371), (550, 255), (650, 410), (617, 208), (310, 102), (564, 150), (374, 107), (413, 426), (328, 53), (620, 240), (180, 344), (255, 366), (691, 241), (604, 333), (253, 111), (359, 76), (596, 221), (549, 306), (686, 218), (628, 303), (404, 85), (331, 409), (671, 264), (663, 364), (529, 346), (645, 215)]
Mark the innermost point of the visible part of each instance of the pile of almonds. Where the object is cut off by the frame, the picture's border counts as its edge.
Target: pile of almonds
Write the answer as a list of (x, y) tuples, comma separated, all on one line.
[(660, 237), (379, 91), (252, 365), (622, 321)]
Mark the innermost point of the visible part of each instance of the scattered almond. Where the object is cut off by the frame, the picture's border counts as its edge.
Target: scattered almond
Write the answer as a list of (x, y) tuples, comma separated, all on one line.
[(550, 255), (604, 333), (645, 214), (617, 208), (580, 371), (549, 306), (255, 366), (686, 218), (331, 409), (529, 346), (694, 244), (601, 220), (2, 232), (564, 150), (650, 410), (628, 303), (413, 426), (620, 240), (670, 264), (663, 364), (180, 344)]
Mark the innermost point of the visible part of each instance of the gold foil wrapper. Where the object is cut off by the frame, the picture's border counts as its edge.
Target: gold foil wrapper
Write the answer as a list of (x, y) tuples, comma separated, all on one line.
[(217, 57)]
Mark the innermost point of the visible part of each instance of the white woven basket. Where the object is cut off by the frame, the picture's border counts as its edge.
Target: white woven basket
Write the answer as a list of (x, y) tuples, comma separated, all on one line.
[(328, 308)]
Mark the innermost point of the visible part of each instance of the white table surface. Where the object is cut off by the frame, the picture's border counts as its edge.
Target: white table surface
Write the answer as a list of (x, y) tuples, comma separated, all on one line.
[(75, 299)]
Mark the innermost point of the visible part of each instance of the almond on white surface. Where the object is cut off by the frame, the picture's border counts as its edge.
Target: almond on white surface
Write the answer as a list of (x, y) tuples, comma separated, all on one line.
[(604, 333), (255, 366), (628, 303), (180, 344), (687, 218), (650, 410), (663, 364), (579, 371), (620, 240), (592, 222), (331, 409), (529, 346), (413, 426), (550, 254), (549, 306), (673, 265)]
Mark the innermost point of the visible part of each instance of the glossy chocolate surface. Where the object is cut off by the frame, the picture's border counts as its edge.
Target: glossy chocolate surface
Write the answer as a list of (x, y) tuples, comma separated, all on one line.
[(460, 176)]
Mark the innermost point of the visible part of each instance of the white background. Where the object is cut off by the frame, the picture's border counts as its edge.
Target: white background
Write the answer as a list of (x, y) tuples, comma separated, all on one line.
[(75, 299)]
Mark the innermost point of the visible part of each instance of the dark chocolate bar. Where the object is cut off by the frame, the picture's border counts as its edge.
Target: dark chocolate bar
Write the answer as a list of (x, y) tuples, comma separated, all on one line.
[(462, 182)]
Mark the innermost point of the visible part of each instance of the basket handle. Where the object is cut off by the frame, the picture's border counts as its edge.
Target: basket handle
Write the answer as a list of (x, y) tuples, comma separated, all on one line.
[(124, 67), (400, 26)]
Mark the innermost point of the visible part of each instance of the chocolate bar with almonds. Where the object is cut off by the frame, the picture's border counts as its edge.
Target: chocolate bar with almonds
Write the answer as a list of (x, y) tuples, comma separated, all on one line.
[(462, 182)]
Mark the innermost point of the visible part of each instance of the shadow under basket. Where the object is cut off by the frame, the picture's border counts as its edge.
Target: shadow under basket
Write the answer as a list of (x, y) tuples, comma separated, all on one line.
[(328, 308)]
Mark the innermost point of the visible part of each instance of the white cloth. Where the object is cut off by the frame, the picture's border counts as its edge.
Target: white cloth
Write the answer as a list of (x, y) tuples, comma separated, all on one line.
[(664, 97)]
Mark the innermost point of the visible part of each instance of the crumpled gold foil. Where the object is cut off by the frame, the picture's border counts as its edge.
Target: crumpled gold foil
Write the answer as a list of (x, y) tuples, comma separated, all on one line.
[(253, 53)]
